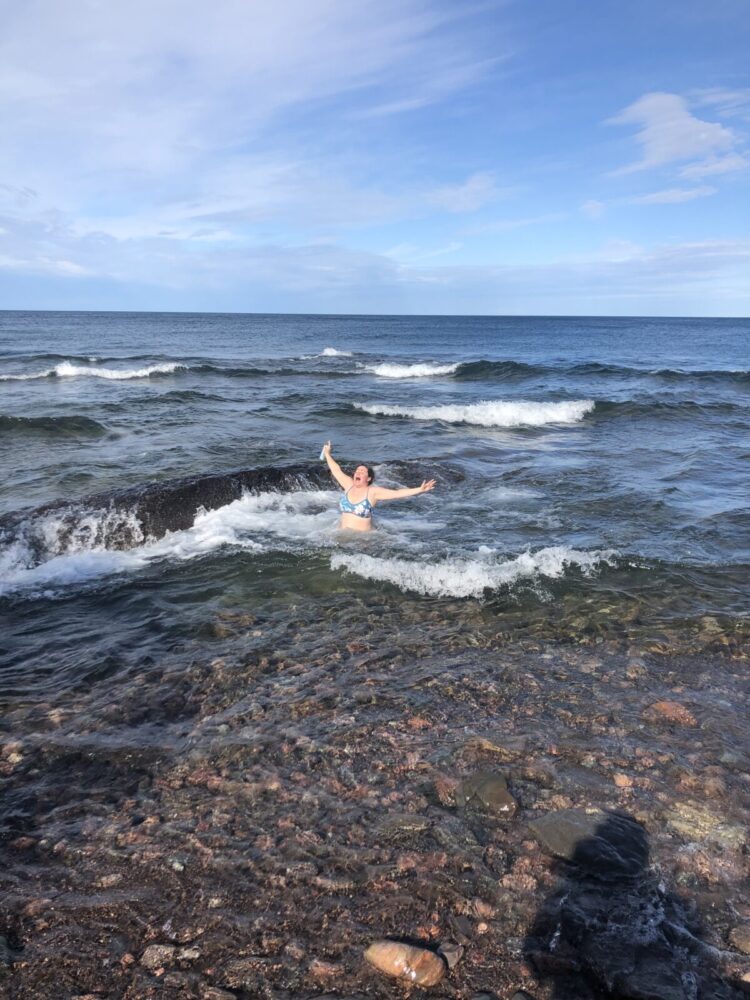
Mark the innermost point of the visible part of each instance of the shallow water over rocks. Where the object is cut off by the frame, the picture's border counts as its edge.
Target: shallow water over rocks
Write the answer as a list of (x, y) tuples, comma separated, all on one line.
[(249, 814)]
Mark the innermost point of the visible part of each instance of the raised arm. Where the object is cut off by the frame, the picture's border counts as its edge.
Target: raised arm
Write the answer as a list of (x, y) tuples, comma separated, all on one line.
[(378, 493), (341, 477)]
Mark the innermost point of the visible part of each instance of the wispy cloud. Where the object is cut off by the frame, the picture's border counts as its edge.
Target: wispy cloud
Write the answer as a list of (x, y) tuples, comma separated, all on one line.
[(673, 196), (727, 103), (508, 225), (123, 97), (715, 165), (593, 208), (669, 133), (474, 193)]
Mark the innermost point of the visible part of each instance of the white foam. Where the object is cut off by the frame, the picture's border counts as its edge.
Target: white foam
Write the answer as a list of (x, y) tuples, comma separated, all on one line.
[(68, 370), (25, 378), (470, 577), (490, 413), (332, 352), (252, 523), (410, 371)]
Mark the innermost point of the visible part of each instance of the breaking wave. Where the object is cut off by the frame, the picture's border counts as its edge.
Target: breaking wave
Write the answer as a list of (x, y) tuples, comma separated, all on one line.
[(68, 370), (471, 577), (519, 413), (410, 371), (52, 552)]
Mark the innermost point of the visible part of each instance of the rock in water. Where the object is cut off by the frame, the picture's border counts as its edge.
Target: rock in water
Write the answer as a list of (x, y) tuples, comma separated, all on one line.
[(404, 961), (487, 790), (607, 845)]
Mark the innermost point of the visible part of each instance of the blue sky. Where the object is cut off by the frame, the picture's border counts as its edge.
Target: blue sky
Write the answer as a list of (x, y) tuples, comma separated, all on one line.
[(419, 156)]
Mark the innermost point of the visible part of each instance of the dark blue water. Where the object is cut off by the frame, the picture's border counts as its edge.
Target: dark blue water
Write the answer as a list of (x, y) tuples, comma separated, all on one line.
[(579, 461)]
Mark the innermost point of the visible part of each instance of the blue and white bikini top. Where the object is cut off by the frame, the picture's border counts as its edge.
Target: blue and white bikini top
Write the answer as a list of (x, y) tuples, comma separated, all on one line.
[(361, 509)]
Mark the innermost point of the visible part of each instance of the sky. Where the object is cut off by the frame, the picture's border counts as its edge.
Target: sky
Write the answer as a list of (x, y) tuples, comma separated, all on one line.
[(498, 157)]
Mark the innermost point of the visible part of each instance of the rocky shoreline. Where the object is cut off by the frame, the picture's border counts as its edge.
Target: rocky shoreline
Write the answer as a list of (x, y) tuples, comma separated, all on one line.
[(244, 820)]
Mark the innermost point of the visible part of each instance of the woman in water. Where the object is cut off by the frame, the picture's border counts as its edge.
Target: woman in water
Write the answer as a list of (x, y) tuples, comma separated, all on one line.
[(360, 496)]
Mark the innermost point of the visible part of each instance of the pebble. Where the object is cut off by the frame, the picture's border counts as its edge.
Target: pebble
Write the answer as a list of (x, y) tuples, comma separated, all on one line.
[(696, 822), (156, 956), (739, 938), (672, 711), (404, 961), (488, 789), (451, 952)]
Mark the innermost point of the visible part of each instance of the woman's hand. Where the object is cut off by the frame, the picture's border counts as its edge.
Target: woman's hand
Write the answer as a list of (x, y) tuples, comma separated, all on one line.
[(427, 485), (327, 449)]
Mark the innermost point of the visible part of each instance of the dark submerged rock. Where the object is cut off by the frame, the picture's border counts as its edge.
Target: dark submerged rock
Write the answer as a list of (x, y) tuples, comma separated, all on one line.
[(608, 845), (487, 790)]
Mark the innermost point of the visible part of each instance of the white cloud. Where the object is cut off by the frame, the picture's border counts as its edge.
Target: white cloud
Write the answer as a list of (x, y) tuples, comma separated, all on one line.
[(673, 196), (508, 225), (715, 165), (475, 192), (670, 133), (125, 96), (728, 103), (593, 208), (699, 278)]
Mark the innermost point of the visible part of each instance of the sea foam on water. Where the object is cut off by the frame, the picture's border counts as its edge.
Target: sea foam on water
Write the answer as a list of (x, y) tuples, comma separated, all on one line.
[(490, 413)]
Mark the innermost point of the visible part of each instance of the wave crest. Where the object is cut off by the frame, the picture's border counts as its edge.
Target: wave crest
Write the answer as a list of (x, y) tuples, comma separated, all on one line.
[(490, 413), (470, 577), (68, 370), (410, 371)]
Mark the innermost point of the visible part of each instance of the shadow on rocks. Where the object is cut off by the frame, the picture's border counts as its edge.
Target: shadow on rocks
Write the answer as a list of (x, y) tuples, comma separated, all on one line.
[(611, 929)]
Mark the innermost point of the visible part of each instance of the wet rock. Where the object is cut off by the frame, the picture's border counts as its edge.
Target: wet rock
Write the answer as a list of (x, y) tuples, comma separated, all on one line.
[(406, 962), (445, 789), (321, 970), (696, 822), (608, 845), (6, 952), (399, 826), (672, 711), (156, 956), (739, 938), (451, 952), (214, 993), (487, 790)]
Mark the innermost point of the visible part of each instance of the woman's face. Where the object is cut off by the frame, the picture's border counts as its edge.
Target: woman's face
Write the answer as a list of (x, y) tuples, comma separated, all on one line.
[(360, 477)]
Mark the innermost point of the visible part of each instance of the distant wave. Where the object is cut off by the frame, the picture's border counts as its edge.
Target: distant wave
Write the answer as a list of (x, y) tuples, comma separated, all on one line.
[(499, 371), (68, 370), (332, 352), (255, 372), (495, 370), (410, 371), (68, 426), (519, 413), (677, 408), (470, 577)]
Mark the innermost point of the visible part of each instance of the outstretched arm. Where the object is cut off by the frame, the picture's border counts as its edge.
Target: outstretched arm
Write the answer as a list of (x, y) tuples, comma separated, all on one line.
[(340, 476), (381, 493)]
